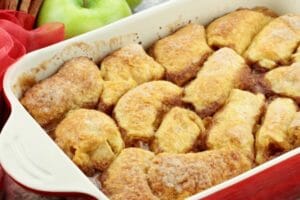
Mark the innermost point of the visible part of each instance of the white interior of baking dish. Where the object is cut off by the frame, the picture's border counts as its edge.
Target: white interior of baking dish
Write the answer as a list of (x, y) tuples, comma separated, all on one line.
[(31, 157)]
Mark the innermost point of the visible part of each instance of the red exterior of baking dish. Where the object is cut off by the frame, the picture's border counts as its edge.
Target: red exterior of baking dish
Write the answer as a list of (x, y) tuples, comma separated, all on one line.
[(280, 182)]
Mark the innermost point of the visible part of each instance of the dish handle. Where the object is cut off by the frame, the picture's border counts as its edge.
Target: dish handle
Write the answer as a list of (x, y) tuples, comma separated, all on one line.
[(33, 159)]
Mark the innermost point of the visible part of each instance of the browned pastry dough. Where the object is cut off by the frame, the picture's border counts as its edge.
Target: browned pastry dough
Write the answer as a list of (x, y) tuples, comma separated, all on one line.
[(296, 55), (237, 29), (222, 72), (178, 132), (126, 177), (177, 176), (233, 125), (90, 138), (276, 42), (284, 81), (294, 131), (139, 111), (272, 137), (182, 53), (125, 69), (77, 84)]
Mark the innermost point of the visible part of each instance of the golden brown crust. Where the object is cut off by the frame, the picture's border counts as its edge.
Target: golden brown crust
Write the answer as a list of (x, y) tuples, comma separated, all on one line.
[(90, 138), (243, 82), (284, 81), (219, 75), (182, 53), (266, 11), (112, 92), (237, 29), (296, 56), (77, 84), (210, 109), (272, 137), (178, 132), (140, 111), (187, 73), (294, 131), (233, 125), (275, 44), (177, 176), (126, 177), (123, 70)]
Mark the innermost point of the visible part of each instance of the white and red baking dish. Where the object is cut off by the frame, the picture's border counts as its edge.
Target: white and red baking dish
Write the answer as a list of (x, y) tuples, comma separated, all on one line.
[(31, 157)]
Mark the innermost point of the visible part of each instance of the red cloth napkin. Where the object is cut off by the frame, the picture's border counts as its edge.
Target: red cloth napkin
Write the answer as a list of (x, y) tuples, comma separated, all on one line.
[(17, 37)]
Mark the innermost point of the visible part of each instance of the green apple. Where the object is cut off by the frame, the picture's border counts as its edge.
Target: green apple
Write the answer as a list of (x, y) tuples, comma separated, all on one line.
[(80, 16), (133, 3)]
